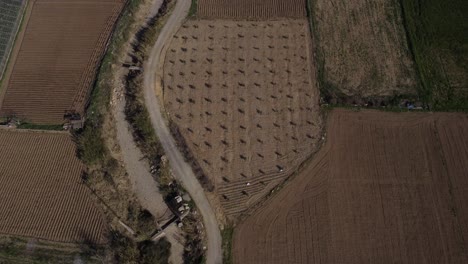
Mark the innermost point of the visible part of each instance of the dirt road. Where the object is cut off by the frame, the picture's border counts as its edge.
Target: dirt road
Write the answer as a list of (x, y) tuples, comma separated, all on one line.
[(144, 186), (182, 171)]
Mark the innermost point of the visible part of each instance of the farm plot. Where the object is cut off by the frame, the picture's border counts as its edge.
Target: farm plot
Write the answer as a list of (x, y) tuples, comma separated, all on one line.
[(60, 51), (251, 9), (244, 98), (437, 31), (10, 17), (363, 49), (386, 188), (41, 191)]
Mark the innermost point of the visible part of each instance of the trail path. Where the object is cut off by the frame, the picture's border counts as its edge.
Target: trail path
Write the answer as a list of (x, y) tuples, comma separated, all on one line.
[(144, 185), (182, 171)]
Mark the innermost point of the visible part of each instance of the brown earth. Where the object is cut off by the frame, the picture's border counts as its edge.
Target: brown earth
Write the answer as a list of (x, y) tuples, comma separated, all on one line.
[(251, 9), (55, 66), (363, 48), (386, 188), (41, 191), (244, 97)]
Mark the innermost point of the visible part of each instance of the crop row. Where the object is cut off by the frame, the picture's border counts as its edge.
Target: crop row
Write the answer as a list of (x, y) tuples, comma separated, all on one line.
[(42, 194), (251, 9), (60, 52)]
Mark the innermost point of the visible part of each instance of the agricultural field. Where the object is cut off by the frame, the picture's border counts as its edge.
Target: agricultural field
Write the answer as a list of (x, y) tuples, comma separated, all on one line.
[(363, 50), (438, 34), (55, 66), (10, 17), (244, 98), (42, 192), (386, 188), (251, 9)]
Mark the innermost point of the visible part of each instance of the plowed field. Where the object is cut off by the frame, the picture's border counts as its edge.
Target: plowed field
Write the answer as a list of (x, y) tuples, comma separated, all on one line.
[(41, 192), (244, 97), (55, 67), (251, 9), (386, 188)]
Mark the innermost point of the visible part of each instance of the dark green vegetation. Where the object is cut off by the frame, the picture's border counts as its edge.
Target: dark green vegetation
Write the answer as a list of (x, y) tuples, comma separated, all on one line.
[(21, 250), (39, 127), (437, 39), (227, 234), (104, 175), (145, 136), (145, 252), (135, 110), (121, 249), (91, 145), (193, 8), (438, 36), (193, 251)]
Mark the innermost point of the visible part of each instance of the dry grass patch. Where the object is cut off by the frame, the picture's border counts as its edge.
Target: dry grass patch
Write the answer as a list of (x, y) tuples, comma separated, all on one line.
[(363, 49)]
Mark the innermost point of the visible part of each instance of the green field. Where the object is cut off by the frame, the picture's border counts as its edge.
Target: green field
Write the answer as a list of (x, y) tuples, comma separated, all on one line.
[(10, 13), (438, 36)]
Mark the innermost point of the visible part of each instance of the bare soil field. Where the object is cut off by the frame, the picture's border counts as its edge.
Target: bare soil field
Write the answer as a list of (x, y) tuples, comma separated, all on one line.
[(386, 188), (251, 9), (363, 49), (244, 98), (55, 67), (41, 191)]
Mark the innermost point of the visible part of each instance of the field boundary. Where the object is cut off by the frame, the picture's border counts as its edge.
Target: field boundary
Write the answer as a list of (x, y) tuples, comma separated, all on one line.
[(299, 168), (335, 196), (88, 92)]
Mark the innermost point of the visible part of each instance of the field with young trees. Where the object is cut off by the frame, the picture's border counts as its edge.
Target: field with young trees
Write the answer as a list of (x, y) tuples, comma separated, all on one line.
[(244, 100)]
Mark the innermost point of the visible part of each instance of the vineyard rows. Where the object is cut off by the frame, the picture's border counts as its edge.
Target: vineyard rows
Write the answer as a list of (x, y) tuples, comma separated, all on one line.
[(244, 98), (377, 192), (55, 67), (252, 9), (42, 192)]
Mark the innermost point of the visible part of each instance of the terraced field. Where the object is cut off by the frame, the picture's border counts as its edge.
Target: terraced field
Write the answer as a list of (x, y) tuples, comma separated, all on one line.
[(41, 191), (386, 188), (251, 9), (244, 98), (60, 51), (10, 17)]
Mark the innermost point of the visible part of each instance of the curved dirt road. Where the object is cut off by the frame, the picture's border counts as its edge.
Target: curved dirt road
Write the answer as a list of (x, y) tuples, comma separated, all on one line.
[(182, 171)]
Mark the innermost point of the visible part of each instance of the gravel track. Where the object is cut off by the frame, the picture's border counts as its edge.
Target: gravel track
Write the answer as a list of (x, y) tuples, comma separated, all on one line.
[(182, 171)]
